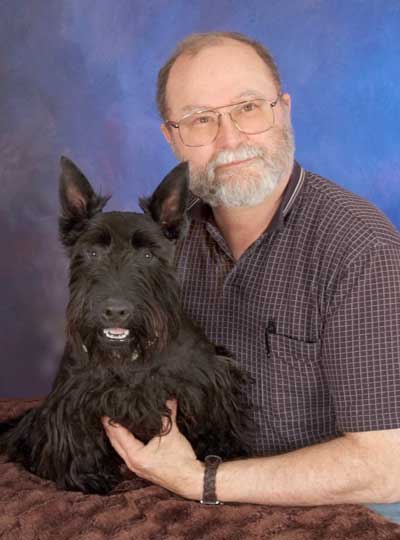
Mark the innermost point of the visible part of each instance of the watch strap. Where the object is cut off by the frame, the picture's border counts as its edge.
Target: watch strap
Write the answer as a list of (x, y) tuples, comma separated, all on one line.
[(210, 472)]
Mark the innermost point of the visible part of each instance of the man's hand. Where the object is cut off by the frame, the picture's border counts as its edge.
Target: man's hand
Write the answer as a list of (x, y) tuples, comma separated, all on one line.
[(168, 461), (354, 468)]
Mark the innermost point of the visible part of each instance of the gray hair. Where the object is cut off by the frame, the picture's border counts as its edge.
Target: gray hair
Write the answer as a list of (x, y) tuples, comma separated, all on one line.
[(193, 44)]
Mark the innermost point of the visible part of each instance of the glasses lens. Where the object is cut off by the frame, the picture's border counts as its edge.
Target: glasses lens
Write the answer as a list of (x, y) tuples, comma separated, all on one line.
[(253, 116), (199, 129)]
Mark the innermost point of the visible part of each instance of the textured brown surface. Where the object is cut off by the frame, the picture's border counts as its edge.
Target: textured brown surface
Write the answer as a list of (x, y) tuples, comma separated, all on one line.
[(32, 509)]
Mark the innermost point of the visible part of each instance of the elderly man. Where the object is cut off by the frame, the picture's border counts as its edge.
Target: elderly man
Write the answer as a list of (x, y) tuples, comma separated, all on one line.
[(297, 277)]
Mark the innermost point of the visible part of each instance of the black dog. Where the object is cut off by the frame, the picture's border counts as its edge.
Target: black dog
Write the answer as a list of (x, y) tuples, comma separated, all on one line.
[(129, 347)]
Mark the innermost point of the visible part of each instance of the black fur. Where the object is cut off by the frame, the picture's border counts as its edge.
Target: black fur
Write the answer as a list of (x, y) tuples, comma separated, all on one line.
[(122, 276)]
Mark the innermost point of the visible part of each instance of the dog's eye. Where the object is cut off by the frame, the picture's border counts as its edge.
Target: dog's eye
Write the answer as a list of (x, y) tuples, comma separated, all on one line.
[(92, 253), (148, 255)]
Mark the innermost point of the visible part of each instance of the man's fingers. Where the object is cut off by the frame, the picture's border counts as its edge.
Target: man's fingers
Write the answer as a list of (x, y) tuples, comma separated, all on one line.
[(121, 439), (172, 406), (125, 443)]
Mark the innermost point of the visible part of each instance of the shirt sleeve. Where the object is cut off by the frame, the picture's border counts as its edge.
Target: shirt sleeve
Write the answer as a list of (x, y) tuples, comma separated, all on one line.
[(361, 343)]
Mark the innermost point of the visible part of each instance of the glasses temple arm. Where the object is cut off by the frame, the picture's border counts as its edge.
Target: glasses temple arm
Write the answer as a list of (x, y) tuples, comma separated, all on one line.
[(169, 123)]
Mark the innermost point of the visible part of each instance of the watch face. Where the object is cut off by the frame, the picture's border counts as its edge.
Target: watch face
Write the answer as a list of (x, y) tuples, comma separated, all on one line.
[(213, 460)]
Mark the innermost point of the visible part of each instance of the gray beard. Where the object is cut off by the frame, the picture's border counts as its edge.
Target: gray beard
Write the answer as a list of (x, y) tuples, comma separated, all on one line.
[(250, 184)]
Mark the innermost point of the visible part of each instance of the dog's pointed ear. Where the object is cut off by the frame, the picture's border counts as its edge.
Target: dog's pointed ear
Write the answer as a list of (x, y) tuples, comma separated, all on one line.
[(79, 203), (168, 203)]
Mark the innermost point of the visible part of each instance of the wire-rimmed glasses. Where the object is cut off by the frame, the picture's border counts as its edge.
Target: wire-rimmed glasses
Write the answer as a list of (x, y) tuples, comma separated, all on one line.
[(200, 128)]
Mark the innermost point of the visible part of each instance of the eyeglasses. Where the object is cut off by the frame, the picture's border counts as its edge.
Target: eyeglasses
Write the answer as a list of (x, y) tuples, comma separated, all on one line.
[(200, 128)]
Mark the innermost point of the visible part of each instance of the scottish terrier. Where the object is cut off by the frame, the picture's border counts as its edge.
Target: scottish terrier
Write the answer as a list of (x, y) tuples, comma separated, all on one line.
[(129, 346)]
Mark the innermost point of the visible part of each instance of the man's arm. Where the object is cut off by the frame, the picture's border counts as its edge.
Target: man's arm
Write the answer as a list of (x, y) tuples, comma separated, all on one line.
[(355, 468)]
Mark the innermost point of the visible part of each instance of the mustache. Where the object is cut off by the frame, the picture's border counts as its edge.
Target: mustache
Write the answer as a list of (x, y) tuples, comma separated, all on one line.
[(241, 153)]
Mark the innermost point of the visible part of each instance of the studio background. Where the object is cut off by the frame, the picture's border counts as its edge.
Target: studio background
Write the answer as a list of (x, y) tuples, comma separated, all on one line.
[(77, 77)]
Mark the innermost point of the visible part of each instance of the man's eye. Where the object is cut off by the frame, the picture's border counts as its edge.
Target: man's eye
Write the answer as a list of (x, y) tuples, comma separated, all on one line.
[(249, 107), (202, 120)]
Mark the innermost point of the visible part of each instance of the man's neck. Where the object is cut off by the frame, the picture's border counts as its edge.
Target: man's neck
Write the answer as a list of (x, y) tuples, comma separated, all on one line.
[(241, 227)]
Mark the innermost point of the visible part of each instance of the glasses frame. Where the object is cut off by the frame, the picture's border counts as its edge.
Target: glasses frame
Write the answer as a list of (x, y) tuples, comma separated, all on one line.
[(176, 125)]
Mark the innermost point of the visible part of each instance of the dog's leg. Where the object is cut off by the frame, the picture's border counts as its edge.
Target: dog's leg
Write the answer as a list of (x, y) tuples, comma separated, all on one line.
[(17, 438), (85, 460), (86, 476), (219, 408)]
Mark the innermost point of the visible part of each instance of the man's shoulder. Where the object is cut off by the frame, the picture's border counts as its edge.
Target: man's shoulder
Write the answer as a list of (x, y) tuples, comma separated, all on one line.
[(340, 213)]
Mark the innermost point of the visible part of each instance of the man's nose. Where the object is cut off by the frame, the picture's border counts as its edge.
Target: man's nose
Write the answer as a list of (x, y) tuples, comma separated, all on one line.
[(228, 135)]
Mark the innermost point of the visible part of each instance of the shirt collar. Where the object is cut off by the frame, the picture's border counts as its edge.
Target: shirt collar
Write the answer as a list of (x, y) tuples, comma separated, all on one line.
[(200, 211)]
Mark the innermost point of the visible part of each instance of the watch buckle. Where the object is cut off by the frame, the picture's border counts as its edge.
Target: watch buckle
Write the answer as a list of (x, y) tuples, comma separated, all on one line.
[(210, 503)]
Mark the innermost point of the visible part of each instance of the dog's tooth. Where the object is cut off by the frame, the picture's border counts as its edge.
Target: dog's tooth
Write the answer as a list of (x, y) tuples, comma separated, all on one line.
[(117, 334)]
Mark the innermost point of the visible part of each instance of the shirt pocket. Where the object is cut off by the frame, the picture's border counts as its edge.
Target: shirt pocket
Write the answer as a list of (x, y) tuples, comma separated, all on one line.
[(298, 399), (292, 350)]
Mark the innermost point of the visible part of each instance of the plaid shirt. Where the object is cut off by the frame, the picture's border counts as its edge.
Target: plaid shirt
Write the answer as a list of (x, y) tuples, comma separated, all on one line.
[(311, 310)]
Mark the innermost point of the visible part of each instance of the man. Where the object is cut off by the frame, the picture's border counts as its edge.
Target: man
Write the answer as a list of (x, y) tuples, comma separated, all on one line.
[(298, 278)]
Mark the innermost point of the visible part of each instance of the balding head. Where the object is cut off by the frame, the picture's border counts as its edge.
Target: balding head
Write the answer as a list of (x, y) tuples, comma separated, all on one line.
[(195, 43)]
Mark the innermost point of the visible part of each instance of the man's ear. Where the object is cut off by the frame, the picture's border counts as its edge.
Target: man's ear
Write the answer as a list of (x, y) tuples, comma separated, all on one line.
[(168, 203), (78, 202), (287, 101), (166, 132)]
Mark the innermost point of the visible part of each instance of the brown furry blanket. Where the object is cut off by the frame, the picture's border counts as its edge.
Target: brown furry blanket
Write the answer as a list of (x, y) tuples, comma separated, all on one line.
[(32, 509)]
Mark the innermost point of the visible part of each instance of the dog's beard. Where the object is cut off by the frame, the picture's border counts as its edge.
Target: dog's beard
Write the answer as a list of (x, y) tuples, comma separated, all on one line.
[(146, 334), (249, 184)]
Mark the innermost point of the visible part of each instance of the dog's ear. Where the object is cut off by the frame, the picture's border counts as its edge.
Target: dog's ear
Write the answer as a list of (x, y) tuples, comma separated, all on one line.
[(168, 203), (79, 203)]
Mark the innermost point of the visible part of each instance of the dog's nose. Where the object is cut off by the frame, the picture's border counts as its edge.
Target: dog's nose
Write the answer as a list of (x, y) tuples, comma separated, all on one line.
[(115, 312)]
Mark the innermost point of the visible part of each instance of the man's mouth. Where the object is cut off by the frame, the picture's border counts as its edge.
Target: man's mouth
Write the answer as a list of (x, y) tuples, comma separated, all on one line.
[(235, 163), (116, 334)]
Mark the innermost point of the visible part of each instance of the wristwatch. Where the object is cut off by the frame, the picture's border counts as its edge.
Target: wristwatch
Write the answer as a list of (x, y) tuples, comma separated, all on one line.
[(210, 472)]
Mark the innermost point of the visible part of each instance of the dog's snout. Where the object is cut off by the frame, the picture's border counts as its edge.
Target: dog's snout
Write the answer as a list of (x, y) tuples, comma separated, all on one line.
[(115, 311)]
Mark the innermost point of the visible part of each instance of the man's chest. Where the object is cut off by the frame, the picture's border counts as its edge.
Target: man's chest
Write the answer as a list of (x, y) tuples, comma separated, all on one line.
[(265, 310), (271, 289)]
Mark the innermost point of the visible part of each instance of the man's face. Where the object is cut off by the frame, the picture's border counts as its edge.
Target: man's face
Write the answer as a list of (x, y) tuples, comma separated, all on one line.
[(237, 169)]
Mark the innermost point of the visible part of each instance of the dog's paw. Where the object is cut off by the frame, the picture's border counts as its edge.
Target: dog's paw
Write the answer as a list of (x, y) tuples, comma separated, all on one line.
[(93, 483)]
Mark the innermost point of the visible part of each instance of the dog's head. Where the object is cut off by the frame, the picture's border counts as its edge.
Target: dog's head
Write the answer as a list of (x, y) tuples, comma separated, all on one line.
[(124, 296)]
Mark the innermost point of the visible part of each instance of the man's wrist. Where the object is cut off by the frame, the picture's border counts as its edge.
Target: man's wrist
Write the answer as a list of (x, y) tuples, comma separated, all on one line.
[(212, 462), (193, 487)]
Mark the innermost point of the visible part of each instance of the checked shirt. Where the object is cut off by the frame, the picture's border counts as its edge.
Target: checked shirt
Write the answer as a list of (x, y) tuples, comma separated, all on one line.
[(311, 310)]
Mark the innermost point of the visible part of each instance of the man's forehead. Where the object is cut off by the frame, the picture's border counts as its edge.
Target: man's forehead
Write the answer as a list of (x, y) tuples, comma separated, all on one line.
[(248, 93), (227, 70)]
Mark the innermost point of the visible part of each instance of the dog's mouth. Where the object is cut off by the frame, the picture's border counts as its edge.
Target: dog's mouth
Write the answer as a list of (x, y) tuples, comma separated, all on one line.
[(115, 335)]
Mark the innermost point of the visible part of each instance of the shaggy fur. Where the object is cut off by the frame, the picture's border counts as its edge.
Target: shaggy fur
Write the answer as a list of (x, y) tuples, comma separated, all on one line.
[(122, 279)]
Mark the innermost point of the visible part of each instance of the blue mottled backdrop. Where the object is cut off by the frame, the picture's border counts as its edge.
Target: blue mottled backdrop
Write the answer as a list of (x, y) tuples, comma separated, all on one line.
[(77, 77)]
